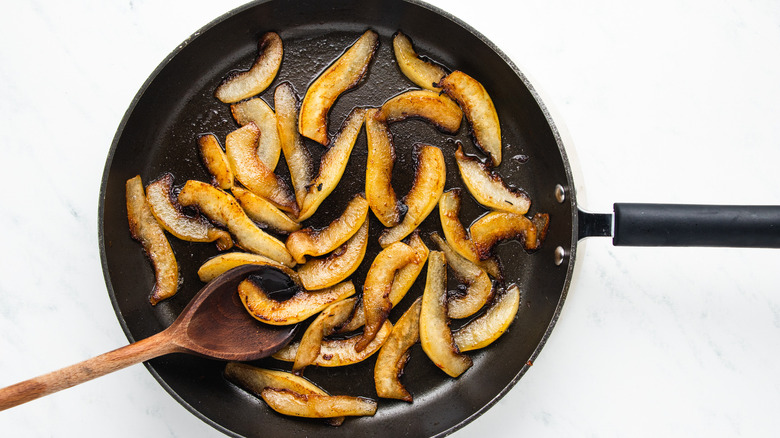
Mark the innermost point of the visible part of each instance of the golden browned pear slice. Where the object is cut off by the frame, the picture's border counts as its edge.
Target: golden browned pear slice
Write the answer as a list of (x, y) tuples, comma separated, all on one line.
[(170, 216), (479, 110), (296, 154), (377, 287), (497, 226), (482, 331), (339, 352), (258, 112), (218, 265), (319, 273), (300, 306), (379, 171), (435, 334), (223, 209), (423, 73), (260, 210), (479, 287), (488, 188), (240, 148), (394, 354), (333, 163), (216, 161), (428, 185), (344, 74), (145, 229), (457, 236), (311, 242), (434, 107), (323, 325), (239, 86), (294, 404)]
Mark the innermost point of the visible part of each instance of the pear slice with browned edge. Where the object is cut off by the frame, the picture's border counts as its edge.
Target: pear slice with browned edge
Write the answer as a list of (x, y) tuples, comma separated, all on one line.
[(436, 108), (479, 287), (260, 210), (423, 73), (482, 331), (428, 185), (297, 156), (323, 325), (394, 354), (159, 195), (145, 229), (258, 112), (297, 308), (239, 86), (497, 226), (339, 352), (320, 273), (344, 74), (379, 171), (219, 264), (435, 334), (216, 161), (488, 188), (311, 242), (224, 210), (294, 404)]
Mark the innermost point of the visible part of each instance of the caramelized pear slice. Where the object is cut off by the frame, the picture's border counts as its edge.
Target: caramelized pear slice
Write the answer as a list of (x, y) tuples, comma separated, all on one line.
[(423, 73), (488, 188), (435, 334), (218, 265), (422, 198), (309, 241), (344, 74), (296, 154), (339, 352), (436, 108), (338, 265), (262, 211), (249, 83), (216, 161), (392, 358), (258, 112), (145, 229), (379, 171), (482, 331), (169, 215), (294, 404), (457, 236), (323, 325), (497, 226), (479, 110), (223, 209), (479, 287), (240, 148), (300, 306), (333, 163)]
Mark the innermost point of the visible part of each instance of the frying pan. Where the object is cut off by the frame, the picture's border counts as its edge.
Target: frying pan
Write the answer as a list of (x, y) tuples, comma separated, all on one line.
[(176, 104)]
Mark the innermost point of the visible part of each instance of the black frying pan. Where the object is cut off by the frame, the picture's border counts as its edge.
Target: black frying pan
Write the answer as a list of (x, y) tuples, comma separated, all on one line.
[(176, 104)]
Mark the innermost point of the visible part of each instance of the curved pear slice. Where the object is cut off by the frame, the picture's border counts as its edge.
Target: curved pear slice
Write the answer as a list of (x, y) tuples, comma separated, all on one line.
[(223, 209), (260, 210), (240, 148), (340, 264), (482, 331), (311, 242), (249, 83), (218, 265), (323, 325), (145, 229), (258, 112), (488, 188), (392, 358), (216, 161), (434, 107), (344, 74), (497, 226), (422, 198), (189, 228), (300, 306), (423, 73), (294, 404), (339, 352), (295, 152), (479, 110), (479, 287), (379, 171), (435, 334)]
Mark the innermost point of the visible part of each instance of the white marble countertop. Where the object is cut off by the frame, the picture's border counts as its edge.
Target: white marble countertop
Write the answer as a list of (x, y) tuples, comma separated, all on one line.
[(666, 101)]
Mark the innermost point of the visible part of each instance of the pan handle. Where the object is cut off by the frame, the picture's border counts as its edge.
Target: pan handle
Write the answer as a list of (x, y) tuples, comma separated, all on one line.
[(755, 226)]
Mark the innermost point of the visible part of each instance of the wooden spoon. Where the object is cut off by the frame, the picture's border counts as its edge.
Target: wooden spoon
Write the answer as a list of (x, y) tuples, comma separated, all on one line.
[(214, 324)]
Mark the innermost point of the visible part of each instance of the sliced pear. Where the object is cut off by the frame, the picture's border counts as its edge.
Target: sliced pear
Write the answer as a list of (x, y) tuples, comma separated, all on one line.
[(379, 171), (294, 404), (479, 110), (339, 352), (482, 331), (218, 265), (296, 154), (432, 106), (488, 188), (223, 209), (258, 112), (320, 273), (392, 358), (428, 185), (145, 229), (435, 334), (497, 226), (262, 211), (309, 241), (323, 325), (300, 306), (423, 73), (216, 161), (344, 74), (249, 83), (479, 287)]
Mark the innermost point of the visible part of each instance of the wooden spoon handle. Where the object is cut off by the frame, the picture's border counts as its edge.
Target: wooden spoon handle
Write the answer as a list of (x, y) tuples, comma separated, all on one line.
[(89, 369)]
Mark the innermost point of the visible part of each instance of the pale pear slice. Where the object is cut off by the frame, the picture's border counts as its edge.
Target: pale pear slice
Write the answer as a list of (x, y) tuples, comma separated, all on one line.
[(339, 352), (260, 210), (497, 226), (319, 273), (297, 156), (488, 188), (379, 171), (323, 325), (258, 112), (219, 264), (479, 287), (436, 108), (216, 161), (423, 73), (482, 331), (394, 354), (252, 82), (294, 404)]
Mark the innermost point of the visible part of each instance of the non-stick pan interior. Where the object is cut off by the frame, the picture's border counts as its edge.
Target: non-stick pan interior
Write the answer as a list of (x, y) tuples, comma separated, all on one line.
[(176, 105)]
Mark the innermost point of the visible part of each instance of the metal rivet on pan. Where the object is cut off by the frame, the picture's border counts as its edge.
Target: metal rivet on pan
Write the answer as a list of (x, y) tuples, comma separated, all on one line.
[(560, 255), (560, 193)]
